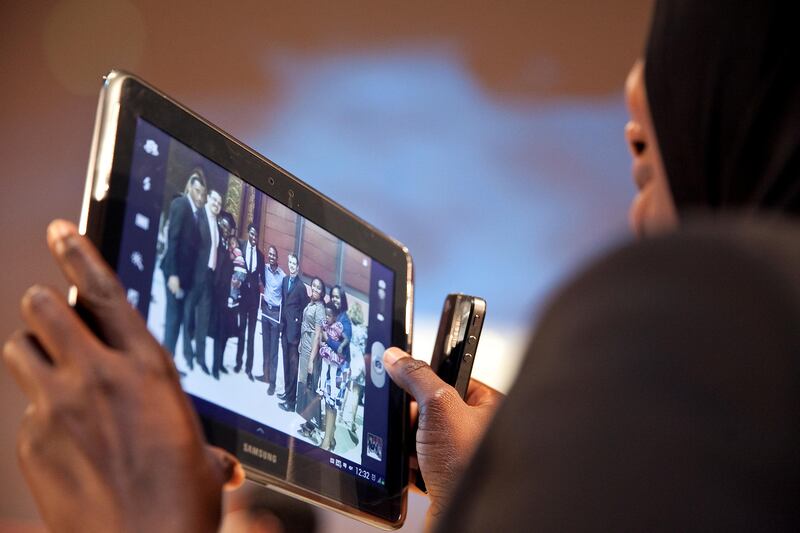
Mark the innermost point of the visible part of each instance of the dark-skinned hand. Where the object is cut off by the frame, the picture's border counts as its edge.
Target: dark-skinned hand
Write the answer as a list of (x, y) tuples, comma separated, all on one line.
[(450, 428), (109, 441)]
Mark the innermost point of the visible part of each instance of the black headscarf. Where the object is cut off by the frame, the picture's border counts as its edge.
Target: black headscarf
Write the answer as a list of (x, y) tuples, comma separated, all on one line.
[(723, 83)]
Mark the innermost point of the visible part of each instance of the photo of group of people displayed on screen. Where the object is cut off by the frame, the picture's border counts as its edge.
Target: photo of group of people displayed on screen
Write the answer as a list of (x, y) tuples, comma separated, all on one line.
[(227, 289)]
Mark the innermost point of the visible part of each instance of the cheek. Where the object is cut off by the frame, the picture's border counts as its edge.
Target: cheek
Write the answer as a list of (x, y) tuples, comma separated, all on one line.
[(652, 212), (636, 214)]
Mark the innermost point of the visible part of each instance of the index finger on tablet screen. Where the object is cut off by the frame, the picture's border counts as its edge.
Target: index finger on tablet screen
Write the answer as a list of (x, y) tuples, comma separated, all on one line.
[(99, 291)]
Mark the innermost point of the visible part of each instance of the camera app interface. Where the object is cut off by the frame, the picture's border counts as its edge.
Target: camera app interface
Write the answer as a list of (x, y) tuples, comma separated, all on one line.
[(275, 325)]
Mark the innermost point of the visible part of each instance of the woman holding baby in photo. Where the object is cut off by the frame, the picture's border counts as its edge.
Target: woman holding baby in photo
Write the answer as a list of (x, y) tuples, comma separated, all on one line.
[(335, 354)]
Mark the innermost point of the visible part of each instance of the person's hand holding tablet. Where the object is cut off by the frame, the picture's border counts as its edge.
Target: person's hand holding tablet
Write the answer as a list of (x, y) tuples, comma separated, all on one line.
[(108, 429)]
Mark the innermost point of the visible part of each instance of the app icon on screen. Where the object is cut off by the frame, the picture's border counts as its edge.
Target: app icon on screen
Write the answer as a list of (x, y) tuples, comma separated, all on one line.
[(142, 221), (151, 147), (138, 261)]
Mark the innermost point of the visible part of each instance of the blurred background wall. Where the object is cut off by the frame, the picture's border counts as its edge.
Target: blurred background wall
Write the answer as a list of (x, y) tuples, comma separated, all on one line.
[(486, 136)]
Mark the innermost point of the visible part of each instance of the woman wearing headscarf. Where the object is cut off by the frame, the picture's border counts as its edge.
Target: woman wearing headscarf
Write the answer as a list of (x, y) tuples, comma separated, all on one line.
[(715, 109), (662, 385)]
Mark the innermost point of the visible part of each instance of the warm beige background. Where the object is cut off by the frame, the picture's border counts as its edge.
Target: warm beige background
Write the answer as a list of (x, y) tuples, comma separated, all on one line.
[(52, 54)]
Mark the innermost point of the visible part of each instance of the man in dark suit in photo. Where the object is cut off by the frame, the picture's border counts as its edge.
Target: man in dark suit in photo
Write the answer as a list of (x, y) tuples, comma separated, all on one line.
[(295, 299), (251, 295), (224, 311), (197, 309), (180, 259)]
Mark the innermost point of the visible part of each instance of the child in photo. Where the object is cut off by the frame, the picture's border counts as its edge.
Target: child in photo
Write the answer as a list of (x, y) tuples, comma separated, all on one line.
[(331, 337), (239, 272)]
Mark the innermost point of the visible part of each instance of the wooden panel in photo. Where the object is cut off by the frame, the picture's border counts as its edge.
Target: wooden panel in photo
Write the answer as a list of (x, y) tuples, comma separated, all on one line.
[(319, 253), (278, 228), (355, 273)]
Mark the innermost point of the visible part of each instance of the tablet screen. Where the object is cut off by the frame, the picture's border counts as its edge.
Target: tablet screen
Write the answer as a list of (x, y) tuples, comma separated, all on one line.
[(244, 292)]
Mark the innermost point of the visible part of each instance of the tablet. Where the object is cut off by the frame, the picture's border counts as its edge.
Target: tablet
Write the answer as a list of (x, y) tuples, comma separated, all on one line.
[(275, 302)]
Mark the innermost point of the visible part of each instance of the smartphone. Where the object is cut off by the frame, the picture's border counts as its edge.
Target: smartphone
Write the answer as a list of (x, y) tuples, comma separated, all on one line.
[(457, 340), (456, 344)]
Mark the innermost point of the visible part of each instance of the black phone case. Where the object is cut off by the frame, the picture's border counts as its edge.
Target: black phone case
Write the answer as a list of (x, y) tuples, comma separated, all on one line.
[(456, 343)]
